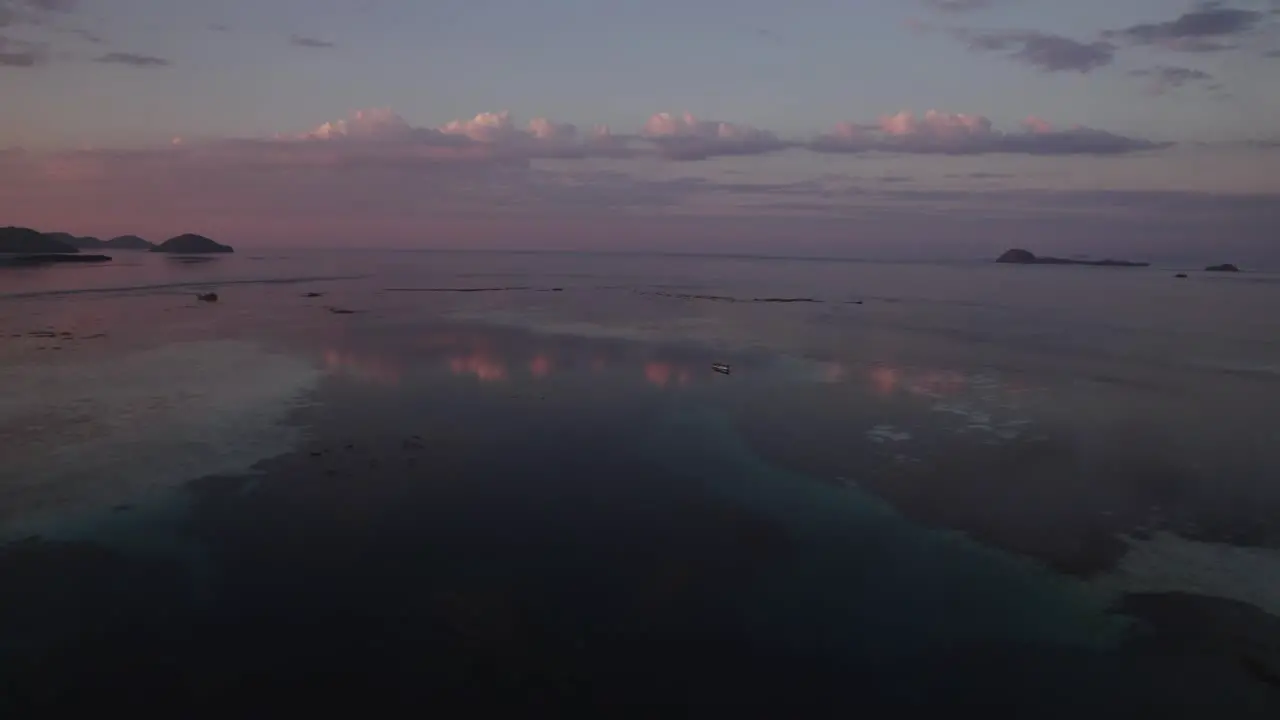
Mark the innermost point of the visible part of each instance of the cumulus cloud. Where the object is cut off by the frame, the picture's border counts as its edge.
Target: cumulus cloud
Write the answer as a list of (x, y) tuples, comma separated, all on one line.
[(963, 134), (487, 135), (1208, 28), (309, 42), (132, 60), (1044, 51), (1167, 77), (496, 135), (684, 137)]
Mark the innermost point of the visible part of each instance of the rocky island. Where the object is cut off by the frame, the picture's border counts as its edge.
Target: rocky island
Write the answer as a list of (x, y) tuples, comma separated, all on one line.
[(191, 244), (1225, 267), (1018, 256), (26, 240), (24, 246)]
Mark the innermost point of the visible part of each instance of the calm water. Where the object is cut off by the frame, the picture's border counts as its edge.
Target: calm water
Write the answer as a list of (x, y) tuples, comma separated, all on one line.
[(515, 479)]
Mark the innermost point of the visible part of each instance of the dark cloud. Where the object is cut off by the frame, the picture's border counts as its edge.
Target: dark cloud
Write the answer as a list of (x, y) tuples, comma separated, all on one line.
[(88, 36), (132, 60), (1209, 28), (309, 42), (1167, 77), (958, 6), (21, 54), (703, 148), (1271, 54), (219, 27), (1044, 51), (61, 6), (32, 12)]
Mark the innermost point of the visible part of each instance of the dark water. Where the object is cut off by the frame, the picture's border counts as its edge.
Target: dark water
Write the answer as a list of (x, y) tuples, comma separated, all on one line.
[(933, 487)]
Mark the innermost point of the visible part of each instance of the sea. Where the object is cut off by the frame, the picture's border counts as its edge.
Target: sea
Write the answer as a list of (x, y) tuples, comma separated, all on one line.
[(422, 480)]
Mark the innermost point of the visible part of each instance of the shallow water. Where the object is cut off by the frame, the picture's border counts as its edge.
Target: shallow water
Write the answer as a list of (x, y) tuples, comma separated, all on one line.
[(926, 485)]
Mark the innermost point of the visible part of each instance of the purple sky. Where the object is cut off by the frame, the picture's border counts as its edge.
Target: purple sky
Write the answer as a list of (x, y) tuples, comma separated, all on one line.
[(1146, 126)]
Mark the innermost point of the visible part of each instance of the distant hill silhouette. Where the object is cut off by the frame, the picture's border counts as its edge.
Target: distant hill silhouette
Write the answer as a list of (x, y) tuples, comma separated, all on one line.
[(128, 242), (26, 240), (190, 244), (84, 242)]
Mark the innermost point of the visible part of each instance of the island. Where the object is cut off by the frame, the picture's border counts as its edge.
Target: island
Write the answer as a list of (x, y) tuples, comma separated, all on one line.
[(1225, 267), (191, 244), (1018, 256), (25, 247), (128, 242), (28, 241)]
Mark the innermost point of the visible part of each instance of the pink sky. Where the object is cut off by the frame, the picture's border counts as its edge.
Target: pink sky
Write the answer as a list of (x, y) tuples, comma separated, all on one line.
[(907, 183)]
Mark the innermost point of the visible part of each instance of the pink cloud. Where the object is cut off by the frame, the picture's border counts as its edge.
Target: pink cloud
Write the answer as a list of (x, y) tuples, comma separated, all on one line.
[(684, 137), (964, 134), (488, 134), (1037, 124)]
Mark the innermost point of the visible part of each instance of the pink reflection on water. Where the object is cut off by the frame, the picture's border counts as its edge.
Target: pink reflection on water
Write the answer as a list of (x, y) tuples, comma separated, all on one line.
[(885, 380), (540, 366), (664, 374), (480, 365)]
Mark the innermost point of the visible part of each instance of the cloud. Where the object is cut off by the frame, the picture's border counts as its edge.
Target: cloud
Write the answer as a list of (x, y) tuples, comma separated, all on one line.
[(684, 137), (943, 133), (1271, 54), (1210, 27), (60, 6), (132, 60), (958, 6), (1168, 77), (487, 135), (497, 136), (33, 12), (22, 54), (88, 36), (309, 42), (1044, 51)]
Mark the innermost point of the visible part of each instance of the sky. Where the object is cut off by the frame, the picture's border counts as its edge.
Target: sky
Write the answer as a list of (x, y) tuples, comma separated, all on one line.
[(849, 128)]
